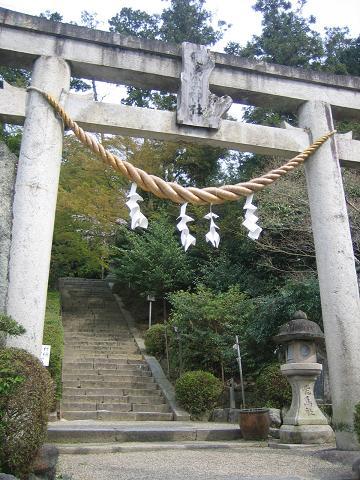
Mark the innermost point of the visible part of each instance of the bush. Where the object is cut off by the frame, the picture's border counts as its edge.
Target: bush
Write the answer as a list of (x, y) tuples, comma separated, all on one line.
[(54, 336), (357, 420), (26, 397), (10, 326), (198, 392), (273, 389), (155, 340), (208, 322)]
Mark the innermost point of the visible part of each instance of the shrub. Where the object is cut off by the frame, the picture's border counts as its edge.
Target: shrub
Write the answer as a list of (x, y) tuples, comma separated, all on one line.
[(10, 326), (273, 389), (155, 340), (208, 322), (198, 392), (26, 397), (357, 420), (54, 336)]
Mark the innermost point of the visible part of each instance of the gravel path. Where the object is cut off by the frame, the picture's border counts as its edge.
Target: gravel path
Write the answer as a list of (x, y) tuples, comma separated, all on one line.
[(244, 464)]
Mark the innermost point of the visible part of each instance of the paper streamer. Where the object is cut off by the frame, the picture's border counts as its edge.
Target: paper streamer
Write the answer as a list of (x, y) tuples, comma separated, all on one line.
[(251, 219), (212, 236), (137, 218), (186, 238)]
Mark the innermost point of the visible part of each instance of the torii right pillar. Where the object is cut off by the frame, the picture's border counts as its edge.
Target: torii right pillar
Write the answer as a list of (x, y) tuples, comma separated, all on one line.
[(339, 288)]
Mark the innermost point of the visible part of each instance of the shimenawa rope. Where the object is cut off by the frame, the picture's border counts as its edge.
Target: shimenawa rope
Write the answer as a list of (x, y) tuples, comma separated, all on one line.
[(173, 191)]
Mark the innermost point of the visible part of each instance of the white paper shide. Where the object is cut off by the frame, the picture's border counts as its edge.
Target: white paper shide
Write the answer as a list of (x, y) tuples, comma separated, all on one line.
[(186, 238), (137, 218), (212, 236), (251, 219)]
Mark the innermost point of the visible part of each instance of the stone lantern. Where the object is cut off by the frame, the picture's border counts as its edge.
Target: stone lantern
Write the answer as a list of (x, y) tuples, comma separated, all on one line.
[(304, 422)]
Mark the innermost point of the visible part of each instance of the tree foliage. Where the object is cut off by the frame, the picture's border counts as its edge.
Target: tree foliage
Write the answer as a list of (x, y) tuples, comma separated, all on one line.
[(89, 210), (286, 38), (153, 260), (181, 21), (207, 322)]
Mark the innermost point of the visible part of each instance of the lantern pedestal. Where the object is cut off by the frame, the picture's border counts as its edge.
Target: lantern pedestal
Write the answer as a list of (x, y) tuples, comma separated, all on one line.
[(304, 422)]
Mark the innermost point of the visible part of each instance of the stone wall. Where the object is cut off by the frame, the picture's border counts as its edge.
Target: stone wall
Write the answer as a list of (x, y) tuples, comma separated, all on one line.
[(7, 179)]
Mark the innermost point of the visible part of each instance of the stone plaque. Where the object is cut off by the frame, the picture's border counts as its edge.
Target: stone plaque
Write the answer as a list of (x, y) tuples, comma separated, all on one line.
[(197, 106)]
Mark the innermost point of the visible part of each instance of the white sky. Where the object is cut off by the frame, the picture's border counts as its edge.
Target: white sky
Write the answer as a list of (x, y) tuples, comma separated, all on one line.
[(239, 13), (245, 22)]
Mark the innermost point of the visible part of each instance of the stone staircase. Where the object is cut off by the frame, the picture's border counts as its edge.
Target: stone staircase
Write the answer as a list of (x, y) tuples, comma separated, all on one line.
[(104, 375)]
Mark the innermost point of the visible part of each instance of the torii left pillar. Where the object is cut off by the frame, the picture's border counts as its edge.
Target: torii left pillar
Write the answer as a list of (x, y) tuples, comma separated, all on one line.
[(35, 203)]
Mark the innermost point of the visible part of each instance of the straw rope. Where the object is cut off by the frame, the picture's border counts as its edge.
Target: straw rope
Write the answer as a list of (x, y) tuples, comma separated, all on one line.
[(173, 191)]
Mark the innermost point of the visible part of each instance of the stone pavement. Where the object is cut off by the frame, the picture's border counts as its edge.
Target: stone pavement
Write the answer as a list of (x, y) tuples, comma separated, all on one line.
[(246, 463)]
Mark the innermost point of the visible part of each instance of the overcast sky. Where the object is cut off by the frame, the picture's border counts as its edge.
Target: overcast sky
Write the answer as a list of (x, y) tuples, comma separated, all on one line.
[(239, 13)]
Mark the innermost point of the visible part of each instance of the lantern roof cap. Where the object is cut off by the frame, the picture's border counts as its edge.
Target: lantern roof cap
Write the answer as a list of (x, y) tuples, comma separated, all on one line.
[(299, 328)]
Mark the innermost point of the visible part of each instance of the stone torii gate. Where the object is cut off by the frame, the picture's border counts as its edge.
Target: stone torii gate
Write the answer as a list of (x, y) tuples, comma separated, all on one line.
[(54, 51)]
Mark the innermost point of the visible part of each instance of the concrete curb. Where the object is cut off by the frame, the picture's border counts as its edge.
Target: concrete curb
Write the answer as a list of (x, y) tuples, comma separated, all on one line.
[(166, 387), (87, 449), (81, 432)]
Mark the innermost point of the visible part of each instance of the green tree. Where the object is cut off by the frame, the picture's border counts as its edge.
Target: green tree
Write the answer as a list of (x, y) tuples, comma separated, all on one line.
[(207, 322), (182, 21), (286, 38), (91, 204), (153, 260)]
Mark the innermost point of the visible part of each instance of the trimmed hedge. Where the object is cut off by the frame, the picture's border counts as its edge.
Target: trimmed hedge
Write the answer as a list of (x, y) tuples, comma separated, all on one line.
[(54, 336), (26, 398), (273, 389), (357, 420), (155, 340), (198, 392), (10, 326)]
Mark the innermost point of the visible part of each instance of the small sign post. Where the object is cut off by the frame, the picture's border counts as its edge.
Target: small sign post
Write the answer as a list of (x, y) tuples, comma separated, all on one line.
[(45, 355), (237, 348), (150, 299)]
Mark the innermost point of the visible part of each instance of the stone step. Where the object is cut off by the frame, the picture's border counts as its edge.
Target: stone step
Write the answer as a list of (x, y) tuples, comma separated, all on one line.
[(71, 338), (157, 446), (114, 335), (94, 342), (114, 391), (98, 350), (115, 346), (102, 357), (138, 379), (103, 362), (113, 407), (92, 406), (96, 332), (92, 432), (71, 370), (132, 359), (139, 399), (97, 319), (104, 375), (140, 367), (159, 408), (117, 416), (109, 324), (106, 384)]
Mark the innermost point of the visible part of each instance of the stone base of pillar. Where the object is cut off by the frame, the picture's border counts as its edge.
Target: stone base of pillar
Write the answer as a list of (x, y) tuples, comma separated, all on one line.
[(307, 434)]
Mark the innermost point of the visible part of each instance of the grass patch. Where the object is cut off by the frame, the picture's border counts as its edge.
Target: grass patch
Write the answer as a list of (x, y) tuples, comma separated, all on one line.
[(54, 336)]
